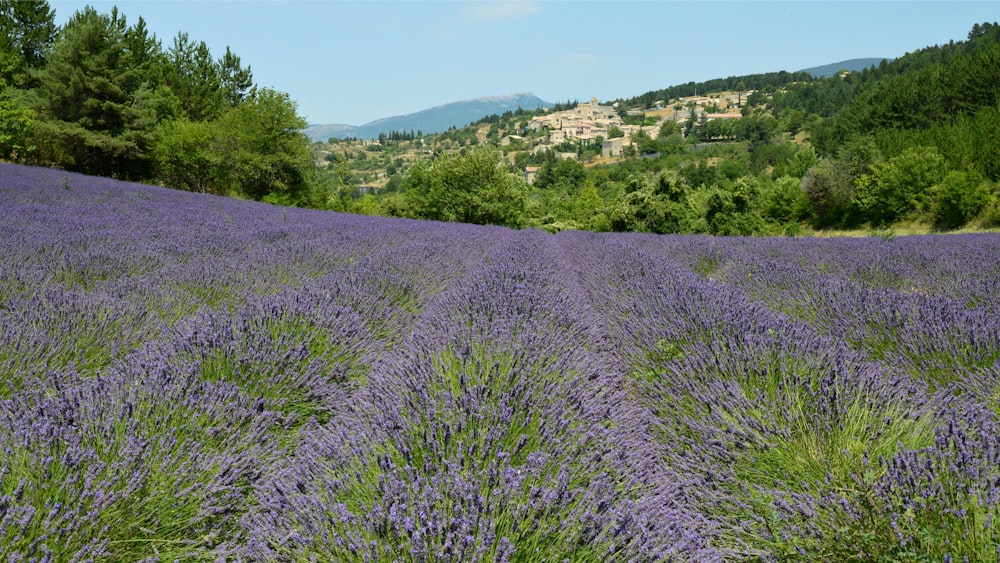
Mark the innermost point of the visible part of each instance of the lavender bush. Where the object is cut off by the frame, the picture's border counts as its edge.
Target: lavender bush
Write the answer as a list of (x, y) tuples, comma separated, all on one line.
[(198, 378)]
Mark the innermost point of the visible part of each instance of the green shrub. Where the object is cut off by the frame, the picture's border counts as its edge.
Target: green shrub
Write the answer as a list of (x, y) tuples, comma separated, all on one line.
[(958, 198)]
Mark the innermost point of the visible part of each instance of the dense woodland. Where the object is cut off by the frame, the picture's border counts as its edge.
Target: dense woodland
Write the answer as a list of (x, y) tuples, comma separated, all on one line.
[(909, 142)]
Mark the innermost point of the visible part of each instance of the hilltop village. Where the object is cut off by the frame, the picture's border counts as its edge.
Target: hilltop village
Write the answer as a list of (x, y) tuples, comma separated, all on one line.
[(590, 132), (592, 122)]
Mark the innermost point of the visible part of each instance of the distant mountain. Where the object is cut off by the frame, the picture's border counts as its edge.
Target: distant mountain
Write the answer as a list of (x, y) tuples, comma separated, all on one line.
[(324, 132), (853, 65), (433, 120)]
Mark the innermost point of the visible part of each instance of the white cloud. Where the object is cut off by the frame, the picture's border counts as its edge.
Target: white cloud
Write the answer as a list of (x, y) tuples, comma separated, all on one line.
[(499, 10)]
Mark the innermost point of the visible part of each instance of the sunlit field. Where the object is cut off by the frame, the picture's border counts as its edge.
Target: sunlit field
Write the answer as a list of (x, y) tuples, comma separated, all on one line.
[(199, 378)]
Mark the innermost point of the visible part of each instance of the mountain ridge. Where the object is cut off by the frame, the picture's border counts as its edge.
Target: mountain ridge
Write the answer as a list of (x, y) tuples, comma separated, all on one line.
[(436, 119), (853, 65)]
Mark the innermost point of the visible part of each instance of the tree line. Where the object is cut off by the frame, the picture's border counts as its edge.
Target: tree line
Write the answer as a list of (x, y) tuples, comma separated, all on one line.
[(103, 96), (738, 83)]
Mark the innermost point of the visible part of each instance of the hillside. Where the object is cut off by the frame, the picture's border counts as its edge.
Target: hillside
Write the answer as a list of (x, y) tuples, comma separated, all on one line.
[(432, 120)]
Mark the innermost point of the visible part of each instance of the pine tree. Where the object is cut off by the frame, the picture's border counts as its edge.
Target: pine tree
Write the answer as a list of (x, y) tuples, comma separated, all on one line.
[(237, 81), (30, 27), (27, 30), (97, 96)]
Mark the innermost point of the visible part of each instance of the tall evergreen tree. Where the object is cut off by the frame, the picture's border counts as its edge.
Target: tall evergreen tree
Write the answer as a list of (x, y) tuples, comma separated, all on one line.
[(29, 27), (236, 81), (93, 96), (195, 78)]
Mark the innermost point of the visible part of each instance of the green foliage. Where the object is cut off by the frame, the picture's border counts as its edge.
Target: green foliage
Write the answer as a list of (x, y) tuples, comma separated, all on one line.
[(235, 80), (27, 30), (829, 193), (784, 200), (567, 208), (560, 173), (255, 149), (88, 95), (958, 198), (206, 87), (265, 145), (473, 188), (102, 97), (16, 123), (990, 216), (193, 77), (969, 142), (188, 158), (734, 212), (798, 165), (943, 86), (652, 207), (898, 187)]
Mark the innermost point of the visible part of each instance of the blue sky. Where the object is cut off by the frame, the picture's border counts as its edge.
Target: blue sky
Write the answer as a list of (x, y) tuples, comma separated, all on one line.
[(354, 62)]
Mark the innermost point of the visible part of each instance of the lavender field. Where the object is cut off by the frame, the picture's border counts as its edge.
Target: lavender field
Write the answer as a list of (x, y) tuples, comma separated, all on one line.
[(195, 378)]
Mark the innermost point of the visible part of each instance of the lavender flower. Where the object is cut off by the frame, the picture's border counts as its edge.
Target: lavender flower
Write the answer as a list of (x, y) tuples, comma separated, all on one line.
[(192, 377)]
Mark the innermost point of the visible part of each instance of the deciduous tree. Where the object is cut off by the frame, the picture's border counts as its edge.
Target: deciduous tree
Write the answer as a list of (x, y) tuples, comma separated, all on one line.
[(474, 188), (898, 186), (255, 150)]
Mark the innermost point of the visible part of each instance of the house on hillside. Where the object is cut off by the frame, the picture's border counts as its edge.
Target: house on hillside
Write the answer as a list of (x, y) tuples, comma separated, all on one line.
[(542, 122), (651, 131), (508, 139), (585, 121), (612, 148), (578, 130), (529, 173), (594, 110), (727, 115)]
